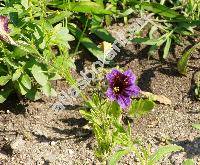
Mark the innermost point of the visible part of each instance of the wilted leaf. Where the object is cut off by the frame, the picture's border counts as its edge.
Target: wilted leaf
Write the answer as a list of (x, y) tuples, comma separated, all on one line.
[(105, 46), (160, 98)]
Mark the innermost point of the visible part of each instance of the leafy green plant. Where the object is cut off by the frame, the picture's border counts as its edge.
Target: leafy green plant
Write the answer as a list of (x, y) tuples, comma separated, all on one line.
[(34, 51), (105, 119), (144, 155), (166, 25)]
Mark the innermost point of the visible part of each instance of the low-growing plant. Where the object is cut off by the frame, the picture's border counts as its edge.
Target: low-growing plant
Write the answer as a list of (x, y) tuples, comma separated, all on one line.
[(104, 114), (34, 49), (166, 25)]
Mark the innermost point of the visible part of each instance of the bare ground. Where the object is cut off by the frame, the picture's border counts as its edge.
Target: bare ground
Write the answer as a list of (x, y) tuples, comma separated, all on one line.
[(34, 133)]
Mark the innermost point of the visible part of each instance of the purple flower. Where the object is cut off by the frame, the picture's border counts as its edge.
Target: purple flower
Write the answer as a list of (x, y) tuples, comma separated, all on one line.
[(4, 28), (122, 87), (4, 23)]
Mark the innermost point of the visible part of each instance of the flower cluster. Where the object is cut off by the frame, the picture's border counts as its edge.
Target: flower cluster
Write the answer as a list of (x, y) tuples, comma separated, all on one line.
[(122, 87)]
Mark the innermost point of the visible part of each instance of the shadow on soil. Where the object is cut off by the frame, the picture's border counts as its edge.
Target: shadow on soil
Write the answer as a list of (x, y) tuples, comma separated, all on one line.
[(192, 148), (14, 105)]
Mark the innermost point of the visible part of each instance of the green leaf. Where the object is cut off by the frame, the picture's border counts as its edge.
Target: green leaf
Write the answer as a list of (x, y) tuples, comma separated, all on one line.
[(117, 156), (115, 110), (103, 34), (4, 94), (48, 90), (25, 3), (25, 80), (33, 94), (167, 47), (39, 74), (182, 63), (161, 152), (90, 45), (141, 107), (17, 74), (87, 115), (4, 79), (197, 126), (188, 162), (84, 7), (59, 16), (160, 9)]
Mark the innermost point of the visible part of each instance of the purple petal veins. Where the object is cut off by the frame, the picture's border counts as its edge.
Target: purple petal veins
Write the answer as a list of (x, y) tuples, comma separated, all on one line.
[(122, 87)]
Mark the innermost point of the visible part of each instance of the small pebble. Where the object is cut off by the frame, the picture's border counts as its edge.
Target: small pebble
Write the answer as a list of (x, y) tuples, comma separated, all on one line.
[(53, 143)]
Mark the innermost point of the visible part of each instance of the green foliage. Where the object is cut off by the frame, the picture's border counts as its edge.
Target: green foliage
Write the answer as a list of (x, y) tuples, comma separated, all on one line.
[(29, 55), (102, 116), (182, 63), (197, 126), (141, 107), (188, 162), (166, 25), (144, 155), (105, 119)]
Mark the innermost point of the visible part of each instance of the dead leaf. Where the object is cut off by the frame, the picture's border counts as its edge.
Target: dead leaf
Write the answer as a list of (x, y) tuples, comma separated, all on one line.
[(160, 98), (105, 46)]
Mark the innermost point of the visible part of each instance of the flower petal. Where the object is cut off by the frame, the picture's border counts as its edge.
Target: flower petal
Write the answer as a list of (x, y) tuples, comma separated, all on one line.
[(131, 76), (111, 76), (123, 101), (110, 94)]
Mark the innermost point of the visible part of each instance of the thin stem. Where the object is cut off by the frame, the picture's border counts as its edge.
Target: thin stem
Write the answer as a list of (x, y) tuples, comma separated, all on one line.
[(86, 24)]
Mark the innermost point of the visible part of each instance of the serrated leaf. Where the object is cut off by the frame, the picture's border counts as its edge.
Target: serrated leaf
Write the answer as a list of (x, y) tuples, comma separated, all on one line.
[(4, 80), (117, 156), (162, 152), (39, 74)]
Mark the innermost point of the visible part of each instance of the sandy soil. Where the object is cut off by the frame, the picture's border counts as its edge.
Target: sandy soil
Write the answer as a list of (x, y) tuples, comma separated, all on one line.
[(33, 133)]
